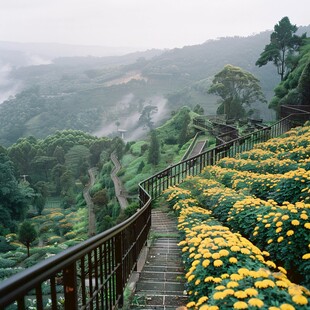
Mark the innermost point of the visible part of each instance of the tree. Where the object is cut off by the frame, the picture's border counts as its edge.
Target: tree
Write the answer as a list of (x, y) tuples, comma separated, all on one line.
[(154, 152), (59, 154), (303, 85), (183, 136), (198, 109), (283, 44), (101, 198), (26, 235), (145, 118), (238, 90), (14, 197), (294, 90)]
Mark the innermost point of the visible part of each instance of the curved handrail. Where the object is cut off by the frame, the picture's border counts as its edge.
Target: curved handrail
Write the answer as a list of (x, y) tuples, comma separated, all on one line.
[(94, 273), (107, 258)]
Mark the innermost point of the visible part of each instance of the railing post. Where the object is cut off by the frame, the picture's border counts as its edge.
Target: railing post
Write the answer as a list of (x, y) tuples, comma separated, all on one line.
[(119, 269), (70, 287)]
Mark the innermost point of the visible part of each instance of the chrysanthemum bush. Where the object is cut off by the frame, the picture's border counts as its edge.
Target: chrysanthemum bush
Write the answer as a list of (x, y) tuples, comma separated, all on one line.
[(291, 186), (225, 270), (283, 230)]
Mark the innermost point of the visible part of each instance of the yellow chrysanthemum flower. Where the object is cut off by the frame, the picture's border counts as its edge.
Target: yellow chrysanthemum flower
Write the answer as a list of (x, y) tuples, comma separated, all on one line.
[(283, 270), (233, 260), (290, 233), (219, 295), (229, 291), (224, 252), (281, 283), (300, 300), (268, 282), (251, 291), (306, 256), (205, 263), (240, 305), (216, 255), (295, 222), (245, 251), (235, 248), (202, 300), (256, 302), (236, 277), (280, 239), (191, 304), (232, 284), (307, 225), (225, 276), (279, 229), (190, 278), (304, 216), (287, 307), (217, 263), (241, 294), (259, 284)]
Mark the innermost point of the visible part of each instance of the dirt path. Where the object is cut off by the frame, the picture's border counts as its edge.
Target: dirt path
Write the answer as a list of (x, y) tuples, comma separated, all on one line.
[(91, 214), (119, 188)]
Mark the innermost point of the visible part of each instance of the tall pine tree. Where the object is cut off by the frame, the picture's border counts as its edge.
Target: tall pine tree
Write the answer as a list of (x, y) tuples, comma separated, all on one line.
[(154, 149)]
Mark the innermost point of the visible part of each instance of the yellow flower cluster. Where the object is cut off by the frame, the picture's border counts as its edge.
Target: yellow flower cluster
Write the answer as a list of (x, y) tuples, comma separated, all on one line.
[(213, 254)]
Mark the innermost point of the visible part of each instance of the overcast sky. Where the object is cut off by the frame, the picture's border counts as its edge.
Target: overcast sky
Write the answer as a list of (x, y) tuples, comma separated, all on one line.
[(143, 23)]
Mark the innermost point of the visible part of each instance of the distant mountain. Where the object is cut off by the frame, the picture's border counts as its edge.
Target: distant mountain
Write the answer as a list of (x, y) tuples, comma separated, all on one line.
[(55, 50), (94, 94)]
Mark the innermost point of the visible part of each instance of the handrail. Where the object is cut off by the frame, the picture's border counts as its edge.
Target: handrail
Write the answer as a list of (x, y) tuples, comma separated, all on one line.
[(91, 274), (176, 173), (94, 273)]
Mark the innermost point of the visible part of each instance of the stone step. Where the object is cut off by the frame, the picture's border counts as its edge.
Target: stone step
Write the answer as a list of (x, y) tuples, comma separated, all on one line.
[(163, 268), (162, 276), (158, 301), (160, 287), (161, 250), (163, 263)]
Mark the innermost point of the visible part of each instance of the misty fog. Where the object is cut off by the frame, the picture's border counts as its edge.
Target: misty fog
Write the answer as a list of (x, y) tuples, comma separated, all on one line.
[(129, 122)]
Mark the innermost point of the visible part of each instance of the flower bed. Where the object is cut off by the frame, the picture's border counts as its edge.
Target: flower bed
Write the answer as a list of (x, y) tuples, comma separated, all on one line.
[(224, 269), (263, 197)]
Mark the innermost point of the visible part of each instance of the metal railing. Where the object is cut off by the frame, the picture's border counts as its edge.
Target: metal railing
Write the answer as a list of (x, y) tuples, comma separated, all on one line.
[(90, 275), (175, 174), (94, 273)]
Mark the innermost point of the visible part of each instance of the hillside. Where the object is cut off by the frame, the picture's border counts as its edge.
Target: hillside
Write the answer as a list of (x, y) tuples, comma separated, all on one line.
[(94, 93), (86, 94)]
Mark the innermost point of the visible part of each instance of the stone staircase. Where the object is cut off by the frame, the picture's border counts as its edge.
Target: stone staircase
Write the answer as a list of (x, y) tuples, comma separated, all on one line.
[(161, 281)]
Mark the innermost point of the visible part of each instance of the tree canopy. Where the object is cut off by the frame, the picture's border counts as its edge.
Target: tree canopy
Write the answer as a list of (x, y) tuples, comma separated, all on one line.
[(26, 235), (283, 44), (238, 89), (294, 89), (154, 149)]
